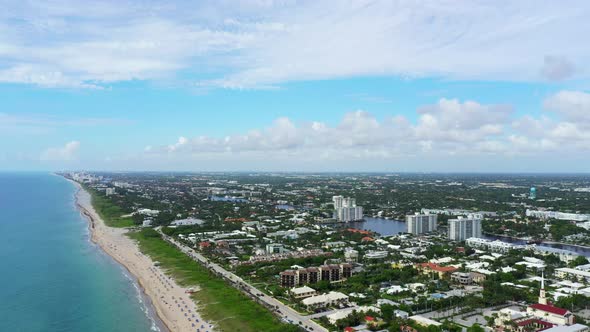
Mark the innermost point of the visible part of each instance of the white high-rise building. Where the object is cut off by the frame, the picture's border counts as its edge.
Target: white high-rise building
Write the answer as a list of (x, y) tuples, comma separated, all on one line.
[(421, 223), (349, 213), (345, 209), (462, 228), (349, 202), (338, 201)]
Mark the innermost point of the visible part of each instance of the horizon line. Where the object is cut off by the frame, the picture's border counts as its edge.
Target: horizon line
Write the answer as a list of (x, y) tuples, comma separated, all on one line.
[(309, 172)]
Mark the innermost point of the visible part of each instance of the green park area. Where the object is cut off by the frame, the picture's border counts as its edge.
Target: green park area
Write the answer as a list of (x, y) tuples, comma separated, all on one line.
[(111, 213), (226, 307)]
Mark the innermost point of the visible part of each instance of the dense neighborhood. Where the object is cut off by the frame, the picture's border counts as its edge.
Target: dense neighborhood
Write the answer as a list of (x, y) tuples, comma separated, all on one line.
[(376, 252)]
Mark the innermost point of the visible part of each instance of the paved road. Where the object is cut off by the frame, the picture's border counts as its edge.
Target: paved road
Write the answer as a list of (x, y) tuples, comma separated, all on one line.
[(465, 319), (277, 307)]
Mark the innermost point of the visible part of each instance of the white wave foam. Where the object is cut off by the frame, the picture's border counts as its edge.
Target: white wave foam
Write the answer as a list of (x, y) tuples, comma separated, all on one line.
[(143, 305)]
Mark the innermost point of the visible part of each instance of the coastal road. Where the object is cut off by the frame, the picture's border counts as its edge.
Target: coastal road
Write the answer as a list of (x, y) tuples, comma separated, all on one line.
[(276, 306)]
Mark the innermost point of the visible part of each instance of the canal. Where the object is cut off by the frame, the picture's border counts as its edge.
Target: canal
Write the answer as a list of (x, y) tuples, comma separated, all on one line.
[(388, 227)]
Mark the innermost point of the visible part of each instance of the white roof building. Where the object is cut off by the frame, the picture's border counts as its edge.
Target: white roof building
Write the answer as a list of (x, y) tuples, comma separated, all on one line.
[(564, 272), (187, 222), (557, 215), (394, 289), (585, 267), (570, 284), (340, 314), (301, 292), (508, 314), (416, 286), (570, 328), (476, 265), (401, 314), (424, 321), (371, 254), (483, 271), (148, 212), (381, 302), (325, 300), (442, 260), (532, 265), (487, 257)]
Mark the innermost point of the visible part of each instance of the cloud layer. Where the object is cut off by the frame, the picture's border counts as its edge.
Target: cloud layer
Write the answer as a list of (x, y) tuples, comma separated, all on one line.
[(448, 128), (35, 124), (67, 152), (261, 44)]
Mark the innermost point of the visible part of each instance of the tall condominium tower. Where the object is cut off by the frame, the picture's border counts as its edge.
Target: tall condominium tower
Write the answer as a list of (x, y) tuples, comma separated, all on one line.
[(421, 223), (462, 228), (345, 209), (338, 201)]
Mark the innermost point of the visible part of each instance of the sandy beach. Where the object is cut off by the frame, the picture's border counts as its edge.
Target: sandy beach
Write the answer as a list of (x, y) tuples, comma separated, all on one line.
[(173, 305)]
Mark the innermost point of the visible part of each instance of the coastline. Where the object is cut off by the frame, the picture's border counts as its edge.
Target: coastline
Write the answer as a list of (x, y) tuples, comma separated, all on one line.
[(173, 306)]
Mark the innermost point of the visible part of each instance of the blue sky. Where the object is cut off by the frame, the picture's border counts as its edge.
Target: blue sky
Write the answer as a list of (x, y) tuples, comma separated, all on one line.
[(339, 86)]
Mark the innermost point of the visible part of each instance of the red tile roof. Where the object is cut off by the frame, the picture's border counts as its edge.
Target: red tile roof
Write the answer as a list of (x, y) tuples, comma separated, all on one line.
[(348, 329), (355, 230), (228, 219), (369, 318), (549, 308), (535, 321), (408, 328), (438, 268), (540, 325)]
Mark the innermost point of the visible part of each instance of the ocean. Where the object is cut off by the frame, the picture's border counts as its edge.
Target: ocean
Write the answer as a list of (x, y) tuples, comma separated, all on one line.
[(52, 277)]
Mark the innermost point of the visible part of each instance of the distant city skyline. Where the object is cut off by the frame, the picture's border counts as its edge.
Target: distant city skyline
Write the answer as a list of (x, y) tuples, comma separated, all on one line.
[(363, 86)]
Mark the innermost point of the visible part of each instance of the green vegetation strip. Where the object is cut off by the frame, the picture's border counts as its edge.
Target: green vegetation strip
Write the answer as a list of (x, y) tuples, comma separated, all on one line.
[(109, 211), (227, 307)]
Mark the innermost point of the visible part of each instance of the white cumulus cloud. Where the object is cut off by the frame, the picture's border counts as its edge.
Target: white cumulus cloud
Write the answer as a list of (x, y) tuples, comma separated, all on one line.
[(572, 105), (64, 153), (444, 127), (449, 127)]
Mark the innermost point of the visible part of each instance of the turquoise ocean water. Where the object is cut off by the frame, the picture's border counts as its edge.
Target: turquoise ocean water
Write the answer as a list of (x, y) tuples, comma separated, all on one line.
[(52, 277)]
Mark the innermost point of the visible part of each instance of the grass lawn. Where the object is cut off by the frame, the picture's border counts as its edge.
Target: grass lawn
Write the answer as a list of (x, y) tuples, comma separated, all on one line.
[(225, 306), (109, 212)]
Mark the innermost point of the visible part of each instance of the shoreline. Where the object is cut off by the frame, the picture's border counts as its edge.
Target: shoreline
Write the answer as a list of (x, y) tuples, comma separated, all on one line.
[(172, 305), (160, 322)]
